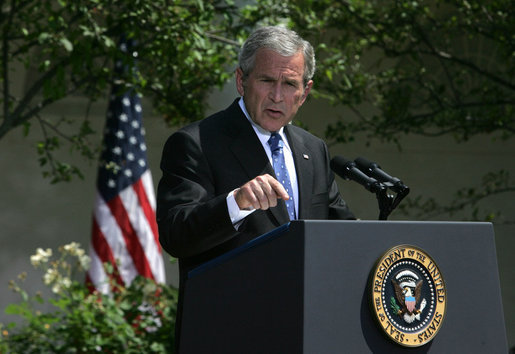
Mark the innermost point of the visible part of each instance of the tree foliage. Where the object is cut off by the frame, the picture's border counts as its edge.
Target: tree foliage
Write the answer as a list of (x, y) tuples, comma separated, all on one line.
[(398, 67), (426, 67), (70, 47)]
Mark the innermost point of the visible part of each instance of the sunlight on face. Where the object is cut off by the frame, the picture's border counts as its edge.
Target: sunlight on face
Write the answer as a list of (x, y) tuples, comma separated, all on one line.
[(274, 90)]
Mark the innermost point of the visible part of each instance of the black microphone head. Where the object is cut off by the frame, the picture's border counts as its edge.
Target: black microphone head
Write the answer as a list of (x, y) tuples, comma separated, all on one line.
[(364, 164), (347, 169), (339, 164), (372, 169), (339, 161)]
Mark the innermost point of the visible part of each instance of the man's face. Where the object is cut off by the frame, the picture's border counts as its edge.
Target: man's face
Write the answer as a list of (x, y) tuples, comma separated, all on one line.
[(273, 91)]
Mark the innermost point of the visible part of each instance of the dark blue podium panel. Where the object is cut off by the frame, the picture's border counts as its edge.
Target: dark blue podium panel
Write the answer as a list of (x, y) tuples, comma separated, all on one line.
[(303, 289)]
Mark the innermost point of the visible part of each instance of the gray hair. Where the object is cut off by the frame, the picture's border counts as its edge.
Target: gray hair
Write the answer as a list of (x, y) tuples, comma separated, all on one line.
[(282, 41)]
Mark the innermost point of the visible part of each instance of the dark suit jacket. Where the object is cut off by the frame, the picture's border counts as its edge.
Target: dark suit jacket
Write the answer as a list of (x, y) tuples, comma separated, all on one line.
[(206, 160)]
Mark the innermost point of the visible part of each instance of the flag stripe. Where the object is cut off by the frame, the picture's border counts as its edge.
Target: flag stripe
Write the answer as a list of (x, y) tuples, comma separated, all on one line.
[(104, 253), (89, 282), (130, 236), (115, 240), (96, 278), (147, 210), (148, 186), (143, 227)]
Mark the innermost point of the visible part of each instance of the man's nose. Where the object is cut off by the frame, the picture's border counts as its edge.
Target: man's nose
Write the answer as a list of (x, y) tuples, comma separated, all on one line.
[(276, 93)]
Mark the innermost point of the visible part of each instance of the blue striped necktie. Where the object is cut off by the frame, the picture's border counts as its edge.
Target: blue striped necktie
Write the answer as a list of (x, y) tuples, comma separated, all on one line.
[(276, 145)]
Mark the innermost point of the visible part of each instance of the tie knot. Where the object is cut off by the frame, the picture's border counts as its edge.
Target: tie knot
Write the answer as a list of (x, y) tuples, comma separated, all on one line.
[(275, 142)]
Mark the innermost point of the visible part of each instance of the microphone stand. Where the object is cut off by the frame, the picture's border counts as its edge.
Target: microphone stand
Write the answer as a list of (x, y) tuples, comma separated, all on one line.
[(387, 202)]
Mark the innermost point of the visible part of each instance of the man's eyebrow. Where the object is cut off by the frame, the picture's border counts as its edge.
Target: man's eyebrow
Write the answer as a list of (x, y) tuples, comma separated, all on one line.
[(266, 76), (283, 78), (293, 81)]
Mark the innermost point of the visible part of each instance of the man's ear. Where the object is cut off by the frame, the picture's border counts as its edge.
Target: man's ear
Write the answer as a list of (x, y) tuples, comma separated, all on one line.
[(239, 81), (307, 89)]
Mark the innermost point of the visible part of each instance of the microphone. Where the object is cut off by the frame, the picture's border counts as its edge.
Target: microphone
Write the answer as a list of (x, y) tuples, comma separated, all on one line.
[(347, 169), (374, 170)]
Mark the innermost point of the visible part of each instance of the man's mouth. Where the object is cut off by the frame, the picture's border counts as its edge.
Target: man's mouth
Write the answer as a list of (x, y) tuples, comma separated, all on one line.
[(274, 112)]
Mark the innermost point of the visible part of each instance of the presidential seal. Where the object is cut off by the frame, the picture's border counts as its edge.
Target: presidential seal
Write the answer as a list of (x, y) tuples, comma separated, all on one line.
[(408, 295)]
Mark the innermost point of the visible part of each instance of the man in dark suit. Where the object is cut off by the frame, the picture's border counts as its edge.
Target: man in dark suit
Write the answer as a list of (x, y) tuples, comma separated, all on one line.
[(219, 188)]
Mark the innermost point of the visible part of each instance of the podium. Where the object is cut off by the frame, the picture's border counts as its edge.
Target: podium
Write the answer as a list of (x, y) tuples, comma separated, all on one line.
[(304, 288)]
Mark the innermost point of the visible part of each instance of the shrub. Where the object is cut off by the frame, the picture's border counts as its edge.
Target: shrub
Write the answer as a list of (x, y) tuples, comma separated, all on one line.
[(139, 318)]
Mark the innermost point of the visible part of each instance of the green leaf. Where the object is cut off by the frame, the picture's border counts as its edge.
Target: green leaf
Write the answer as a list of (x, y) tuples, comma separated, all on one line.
[(26, 128), (14, 309), (66, 44), (329, 74), (43, 36)]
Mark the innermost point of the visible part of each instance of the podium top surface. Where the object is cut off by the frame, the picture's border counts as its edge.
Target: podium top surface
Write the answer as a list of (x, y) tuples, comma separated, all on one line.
[(348, 223)]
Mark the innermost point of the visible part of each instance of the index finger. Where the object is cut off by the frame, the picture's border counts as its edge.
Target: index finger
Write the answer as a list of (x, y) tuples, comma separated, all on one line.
[(278, 189)]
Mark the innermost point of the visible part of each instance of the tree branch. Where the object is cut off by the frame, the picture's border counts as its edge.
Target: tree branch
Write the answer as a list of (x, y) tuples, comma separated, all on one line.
[(466, 63), (492, 184), (16, 117), (5, 67), (222, 39)]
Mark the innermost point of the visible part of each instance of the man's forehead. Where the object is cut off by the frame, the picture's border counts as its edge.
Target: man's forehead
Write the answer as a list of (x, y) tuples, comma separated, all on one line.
[(269, 62)]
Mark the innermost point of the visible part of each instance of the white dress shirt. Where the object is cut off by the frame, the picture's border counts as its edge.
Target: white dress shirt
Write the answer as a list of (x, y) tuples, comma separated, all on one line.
[(234, 211)]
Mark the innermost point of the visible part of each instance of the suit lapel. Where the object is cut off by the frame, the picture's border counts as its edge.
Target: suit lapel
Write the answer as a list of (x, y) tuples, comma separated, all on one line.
[(304, 167), (248, 150), (246, 146)]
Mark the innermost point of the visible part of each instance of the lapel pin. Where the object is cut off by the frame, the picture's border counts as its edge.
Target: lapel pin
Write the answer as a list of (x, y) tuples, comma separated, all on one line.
[(305, 156)]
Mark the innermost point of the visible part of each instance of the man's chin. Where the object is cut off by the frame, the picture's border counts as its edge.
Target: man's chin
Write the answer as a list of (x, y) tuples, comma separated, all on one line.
[(273, 126), (273, 122)]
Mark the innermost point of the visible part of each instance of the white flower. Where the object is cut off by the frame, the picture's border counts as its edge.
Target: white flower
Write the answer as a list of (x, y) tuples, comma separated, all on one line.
[(71, 247), (151, 329), (66, 282), (50, 276), (84, 261), (35, 260), (56, 288), (41, 256), (158, 323)]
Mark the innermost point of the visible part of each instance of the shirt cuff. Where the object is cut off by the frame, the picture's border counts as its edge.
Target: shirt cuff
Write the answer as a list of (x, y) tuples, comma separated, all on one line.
[(235, 213)]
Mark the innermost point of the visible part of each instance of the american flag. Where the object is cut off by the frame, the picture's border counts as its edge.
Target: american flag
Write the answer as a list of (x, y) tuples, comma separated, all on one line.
[(124, 231)]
